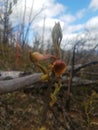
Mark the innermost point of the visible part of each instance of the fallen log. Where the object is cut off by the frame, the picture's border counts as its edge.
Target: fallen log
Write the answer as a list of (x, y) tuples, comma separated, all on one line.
[(15, 74), (12, 85), (18, 83), (29, 81), (10, 74)]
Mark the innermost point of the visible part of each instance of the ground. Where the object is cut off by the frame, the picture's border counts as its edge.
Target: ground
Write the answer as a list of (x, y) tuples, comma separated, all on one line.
[(23, 111)]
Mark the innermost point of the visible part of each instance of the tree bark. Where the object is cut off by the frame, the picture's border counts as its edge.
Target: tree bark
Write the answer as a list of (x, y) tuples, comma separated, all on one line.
[(12, 85)]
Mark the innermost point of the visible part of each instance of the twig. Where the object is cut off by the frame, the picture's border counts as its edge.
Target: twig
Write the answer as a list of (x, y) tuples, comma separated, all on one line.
[(70, 78)]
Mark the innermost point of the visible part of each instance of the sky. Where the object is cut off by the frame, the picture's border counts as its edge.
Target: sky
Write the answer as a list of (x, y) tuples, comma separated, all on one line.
[(75, 16)]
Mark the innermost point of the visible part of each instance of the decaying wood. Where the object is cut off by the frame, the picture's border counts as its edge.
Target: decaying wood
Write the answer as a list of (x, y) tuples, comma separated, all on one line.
[(19, 83), (29, 80)]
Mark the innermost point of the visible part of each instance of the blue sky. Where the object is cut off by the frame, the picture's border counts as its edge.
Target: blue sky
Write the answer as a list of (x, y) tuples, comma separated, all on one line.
[(80, 6), (75, 6), (74, 16)]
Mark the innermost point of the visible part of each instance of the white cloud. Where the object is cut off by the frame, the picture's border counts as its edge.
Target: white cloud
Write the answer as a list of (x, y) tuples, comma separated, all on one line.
[(93, 4), (49, 23), (92, 24), (53, 9), (50, 9), (68, 18), (89, 34), (80, 13), (74, 28)]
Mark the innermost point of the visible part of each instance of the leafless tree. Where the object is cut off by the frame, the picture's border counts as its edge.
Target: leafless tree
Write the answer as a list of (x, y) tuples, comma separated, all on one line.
[(6, 10), (26, 26)]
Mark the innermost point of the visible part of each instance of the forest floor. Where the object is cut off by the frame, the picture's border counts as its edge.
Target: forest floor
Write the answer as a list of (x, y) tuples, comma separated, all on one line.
[(23, 111)]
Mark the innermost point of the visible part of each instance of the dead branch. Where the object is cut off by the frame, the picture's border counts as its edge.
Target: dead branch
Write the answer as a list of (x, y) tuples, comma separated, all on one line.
[(71, 74), (85, 65), (78, 67)]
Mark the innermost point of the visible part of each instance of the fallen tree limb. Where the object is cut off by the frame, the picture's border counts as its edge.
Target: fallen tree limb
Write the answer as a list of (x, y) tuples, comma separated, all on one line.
[(19, 83), (78, 67), (85, 65)]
